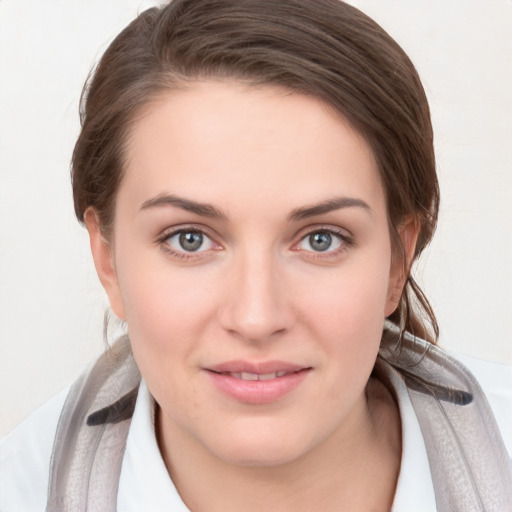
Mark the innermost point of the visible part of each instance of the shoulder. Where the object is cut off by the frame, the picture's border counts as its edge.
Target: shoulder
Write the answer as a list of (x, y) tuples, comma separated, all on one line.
[(25, 456)]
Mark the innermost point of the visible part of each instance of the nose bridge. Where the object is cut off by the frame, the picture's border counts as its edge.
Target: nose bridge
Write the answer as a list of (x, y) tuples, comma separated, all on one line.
[(257, 306)]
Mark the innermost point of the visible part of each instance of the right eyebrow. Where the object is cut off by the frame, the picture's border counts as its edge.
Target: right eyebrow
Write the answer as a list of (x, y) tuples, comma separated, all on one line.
[(202, 209)]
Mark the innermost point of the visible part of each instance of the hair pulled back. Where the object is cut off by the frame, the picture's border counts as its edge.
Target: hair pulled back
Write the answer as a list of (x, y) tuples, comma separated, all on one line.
[(323, 48)]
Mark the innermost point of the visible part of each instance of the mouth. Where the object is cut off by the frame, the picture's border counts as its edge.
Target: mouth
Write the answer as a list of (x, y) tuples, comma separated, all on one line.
[(249, 376), (257, 383)]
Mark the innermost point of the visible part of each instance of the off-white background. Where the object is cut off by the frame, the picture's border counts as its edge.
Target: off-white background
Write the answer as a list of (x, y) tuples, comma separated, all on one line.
[(51, 304)]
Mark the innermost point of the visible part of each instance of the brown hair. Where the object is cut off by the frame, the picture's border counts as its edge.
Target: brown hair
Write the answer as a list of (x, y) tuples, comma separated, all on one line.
[(323, 48)]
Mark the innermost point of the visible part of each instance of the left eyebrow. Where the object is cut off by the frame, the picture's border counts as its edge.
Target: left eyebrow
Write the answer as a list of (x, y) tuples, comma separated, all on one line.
[(327, 206)]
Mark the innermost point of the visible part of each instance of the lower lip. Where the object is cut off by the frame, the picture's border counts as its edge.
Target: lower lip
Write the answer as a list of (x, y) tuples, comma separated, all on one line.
[(258, 391)]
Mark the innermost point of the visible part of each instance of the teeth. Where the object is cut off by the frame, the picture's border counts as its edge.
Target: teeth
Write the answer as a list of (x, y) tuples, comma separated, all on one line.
[(268, 376), (256, 376), (249, 376)]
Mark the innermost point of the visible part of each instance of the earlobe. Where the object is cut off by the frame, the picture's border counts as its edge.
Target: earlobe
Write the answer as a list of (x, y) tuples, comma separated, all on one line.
[(408, 232), (103, 257)]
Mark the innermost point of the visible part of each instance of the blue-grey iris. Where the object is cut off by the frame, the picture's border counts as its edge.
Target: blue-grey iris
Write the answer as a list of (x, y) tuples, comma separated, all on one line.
[(320, 241), (191, 240)]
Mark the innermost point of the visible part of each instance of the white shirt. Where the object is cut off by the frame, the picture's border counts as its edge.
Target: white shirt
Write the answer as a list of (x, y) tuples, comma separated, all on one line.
[(145, 483)]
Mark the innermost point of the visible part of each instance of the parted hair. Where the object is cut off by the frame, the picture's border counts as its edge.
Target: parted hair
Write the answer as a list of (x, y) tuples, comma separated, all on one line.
[(322, 48)]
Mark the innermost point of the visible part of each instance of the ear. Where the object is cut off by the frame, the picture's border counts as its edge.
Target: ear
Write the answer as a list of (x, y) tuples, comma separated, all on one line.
[(103, 256), (399, 271)]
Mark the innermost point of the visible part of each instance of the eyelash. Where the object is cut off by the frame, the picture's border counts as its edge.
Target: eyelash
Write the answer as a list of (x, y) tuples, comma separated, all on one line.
[(346, 242), (184, 256)]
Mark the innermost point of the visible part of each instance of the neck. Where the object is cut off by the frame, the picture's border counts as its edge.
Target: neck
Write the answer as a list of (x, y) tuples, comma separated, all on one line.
[(356, 468)]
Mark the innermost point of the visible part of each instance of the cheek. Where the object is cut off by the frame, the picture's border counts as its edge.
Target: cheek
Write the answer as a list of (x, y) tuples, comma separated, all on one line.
[(166, 308), (354, 295), (346, 310), (166, 314), (165, 305)]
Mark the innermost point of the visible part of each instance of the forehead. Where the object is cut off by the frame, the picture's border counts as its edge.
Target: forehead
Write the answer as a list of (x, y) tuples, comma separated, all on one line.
[(218, 140)]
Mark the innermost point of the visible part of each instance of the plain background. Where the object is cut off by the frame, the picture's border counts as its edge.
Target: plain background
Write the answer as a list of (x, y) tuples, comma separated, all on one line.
[(51, 303)]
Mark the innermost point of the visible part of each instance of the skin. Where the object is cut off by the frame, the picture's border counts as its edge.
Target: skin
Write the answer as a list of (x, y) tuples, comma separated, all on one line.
[(258, 290)]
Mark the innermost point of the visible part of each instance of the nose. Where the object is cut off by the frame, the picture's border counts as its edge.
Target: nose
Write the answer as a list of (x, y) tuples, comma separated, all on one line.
[(256, 306)]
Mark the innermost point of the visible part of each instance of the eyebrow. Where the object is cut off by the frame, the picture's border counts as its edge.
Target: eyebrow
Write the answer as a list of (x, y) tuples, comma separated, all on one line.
[(327, 206), (208, 210), (202, 209)]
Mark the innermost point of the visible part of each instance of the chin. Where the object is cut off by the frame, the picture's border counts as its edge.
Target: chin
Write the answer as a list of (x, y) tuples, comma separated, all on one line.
[(262, 456), (261, 448)]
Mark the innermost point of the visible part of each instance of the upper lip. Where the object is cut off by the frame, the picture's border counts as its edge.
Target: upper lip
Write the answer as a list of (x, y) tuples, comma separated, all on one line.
[(260, 368)]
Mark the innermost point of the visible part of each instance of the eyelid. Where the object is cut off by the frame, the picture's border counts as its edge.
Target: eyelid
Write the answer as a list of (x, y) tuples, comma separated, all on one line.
[(173, 230), (325, 228)]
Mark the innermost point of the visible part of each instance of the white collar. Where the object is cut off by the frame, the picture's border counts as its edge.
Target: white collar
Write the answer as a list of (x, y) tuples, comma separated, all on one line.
[(414, 490), (145, 483)]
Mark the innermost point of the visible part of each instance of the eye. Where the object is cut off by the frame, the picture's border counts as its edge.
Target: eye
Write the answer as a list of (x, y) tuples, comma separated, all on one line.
[(321, 241), (189, 240)]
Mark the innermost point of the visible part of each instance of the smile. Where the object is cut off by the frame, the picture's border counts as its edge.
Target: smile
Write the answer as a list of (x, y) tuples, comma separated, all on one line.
[(255, 384), (256, 376)]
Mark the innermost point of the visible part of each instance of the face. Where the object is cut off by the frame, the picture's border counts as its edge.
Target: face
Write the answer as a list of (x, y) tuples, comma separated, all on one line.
[(251, 260)]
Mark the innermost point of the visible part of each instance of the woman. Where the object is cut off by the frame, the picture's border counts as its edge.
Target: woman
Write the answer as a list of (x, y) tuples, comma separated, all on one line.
[(257, 179)]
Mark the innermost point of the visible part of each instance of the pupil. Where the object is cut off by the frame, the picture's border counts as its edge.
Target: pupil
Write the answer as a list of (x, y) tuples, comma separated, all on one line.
[(320, 241), (191, 240)]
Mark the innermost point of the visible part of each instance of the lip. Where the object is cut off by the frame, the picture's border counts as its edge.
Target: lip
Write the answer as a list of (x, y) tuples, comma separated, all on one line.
[(257, 391)]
